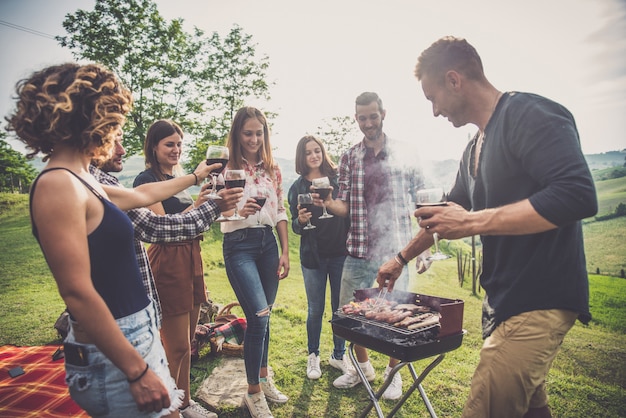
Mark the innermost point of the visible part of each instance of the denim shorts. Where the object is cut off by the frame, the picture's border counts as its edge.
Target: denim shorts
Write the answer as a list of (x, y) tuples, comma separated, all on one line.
[(101, 389)]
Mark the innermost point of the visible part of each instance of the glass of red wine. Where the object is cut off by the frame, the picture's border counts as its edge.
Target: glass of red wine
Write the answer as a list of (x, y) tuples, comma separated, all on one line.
[(216, 154), (260, 194), (219, 185), (232, 179), (305, 201), (321, 186), (433, 197)]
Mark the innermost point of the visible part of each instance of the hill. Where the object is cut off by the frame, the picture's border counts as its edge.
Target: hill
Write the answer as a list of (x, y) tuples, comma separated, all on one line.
[(606, 159), (444, 171)]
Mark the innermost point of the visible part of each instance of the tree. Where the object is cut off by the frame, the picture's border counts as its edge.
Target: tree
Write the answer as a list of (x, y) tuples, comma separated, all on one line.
[(337, 135), (229, 76), (16, 174), (188, 77)]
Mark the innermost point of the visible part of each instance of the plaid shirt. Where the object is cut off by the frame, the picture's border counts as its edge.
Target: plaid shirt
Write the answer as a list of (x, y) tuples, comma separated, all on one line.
[(151, 228), (404, 182)]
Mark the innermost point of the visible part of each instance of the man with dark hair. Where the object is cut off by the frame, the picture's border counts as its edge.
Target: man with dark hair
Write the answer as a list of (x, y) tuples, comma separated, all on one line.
[(524, 186), (376, 184)]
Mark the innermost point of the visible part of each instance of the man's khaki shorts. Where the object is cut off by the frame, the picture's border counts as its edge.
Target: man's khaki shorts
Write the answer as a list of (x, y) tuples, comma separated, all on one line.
[(514, 362)]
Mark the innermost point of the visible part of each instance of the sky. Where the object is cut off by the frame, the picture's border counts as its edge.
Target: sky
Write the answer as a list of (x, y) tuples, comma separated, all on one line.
[(323, 54)]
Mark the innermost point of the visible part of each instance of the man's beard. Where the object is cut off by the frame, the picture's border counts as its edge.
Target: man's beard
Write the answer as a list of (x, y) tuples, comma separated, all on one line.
[(111, 167), (374, 135)]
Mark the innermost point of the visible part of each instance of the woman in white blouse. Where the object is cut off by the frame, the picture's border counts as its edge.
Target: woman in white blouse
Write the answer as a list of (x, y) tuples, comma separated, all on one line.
[(253, 264)]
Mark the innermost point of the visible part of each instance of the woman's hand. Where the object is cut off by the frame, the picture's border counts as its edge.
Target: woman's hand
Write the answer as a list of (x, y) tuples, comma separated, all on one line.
[(150, 393), (203, 196), (321, 202), (283, 266), (229, 199), (203, 170), (249, 208), (303, 215)]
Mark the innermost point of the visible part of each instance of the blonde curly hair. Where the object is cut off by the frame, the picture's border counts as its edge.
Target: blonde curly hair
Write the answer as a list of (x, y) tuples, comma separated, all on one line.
[(82, 106)]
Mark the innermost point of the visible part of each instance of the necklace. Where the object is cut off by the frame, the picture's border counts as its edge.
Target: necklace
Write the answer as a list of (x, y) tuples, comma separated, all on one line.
[(481, 136)]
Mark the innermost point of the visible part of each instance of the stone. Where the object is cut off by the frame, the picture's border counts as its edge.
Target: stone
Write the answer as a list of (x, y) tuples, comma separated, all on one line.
[(226, 385)]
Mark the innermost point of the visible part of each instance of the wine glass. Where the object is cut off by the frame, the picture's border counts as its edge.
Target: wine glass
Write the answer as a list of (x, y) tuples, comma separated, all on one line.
[(305, 200), (232, 179), (321, 186), (433, 197), (216, 154), (260, 194), (219, 185)]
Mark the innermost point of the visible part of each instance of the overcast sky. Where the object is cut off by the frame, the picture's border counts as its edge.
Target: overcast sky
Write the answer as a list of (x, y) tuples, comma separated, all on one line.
[(324, 53)]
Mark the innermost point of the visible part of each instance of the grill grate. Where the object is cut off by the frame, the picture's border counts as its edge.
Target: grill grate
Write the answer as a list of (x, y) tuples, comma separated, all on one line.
[(387, 326)]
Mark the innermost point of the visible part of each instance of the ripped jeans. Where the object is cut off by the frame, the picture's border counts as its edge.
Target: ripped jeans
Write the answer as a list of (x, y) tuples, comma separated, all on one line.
[(251, 259)]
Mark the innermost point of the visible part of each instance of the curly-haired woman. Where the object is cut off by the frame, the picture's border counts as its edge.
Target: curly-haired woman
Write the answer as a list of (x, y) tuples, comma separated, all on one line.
[(115, 363)]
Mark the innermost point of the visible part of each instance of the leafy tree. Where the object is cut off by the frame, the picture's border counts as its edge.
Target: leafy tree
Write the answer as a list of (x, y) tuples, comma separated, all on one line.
[(16, 174), (337, 135), (187, 77)]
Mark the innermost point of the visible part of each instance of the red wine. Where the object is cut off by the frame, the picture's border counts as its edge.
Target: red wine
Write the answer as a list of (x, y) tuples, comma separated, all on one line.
[(230, 184), (260, 200), (219, 187), (307, 206), (222, 161), (322, 192), (426, 204)]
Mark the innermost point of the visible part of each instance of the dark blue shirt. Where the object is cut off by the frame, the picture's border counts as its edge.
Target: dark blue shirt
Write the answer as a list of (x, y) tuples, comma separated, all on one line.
[(531, 150)]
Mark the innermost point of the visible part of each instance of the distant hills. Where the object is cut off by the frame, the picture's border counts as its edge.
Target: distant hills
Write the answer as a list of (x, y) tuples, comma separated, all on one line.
[(444, 171)]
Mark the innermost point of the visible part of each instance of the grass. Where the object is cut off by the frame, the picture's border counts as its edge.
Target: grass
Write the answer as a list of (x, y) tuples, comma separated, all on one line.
[(588, 378)]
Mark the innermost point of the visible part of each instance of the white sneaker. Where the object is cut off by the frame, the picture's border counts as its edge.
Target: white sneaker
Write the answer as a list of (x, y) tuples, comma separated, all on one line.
[(272, 394), (195, 410), (257, 405), (313, 370), (344, 364), (350, 379), (394, 390)]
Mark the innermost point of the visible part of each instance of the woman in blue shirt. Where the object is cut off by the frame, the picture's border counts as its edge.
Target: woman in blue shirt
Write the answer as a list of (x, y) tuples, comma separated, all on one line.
[(322, 250)]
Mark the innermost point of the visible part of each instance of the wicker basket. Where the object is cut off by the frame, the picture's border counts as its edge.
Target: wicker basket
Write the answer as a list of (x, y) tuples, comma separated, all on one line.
[(224, 316)]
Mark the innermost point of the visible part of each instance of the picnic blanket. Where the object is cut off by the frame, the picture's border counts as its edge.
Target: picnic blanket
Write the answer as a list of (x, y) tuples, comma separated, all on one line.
[(41, 390)]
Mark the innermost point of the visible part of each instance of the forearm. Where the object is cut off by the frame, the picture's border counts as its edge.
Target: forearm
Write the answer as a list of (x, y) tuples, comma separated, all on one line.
[(151, 228), (518, 218), (281, 230), (421, 242), (148, 193), (338, 207)]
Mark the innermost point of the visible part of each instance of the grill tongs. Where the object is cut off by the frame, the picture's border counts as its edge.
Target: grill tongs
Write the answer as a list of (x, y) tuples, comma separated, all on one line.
[(381, 295)]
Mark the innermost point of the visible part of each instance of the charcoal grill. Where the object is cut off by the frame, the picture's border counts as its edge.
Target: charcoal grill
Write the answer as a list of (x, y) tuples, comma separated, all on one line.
[(405, 345)]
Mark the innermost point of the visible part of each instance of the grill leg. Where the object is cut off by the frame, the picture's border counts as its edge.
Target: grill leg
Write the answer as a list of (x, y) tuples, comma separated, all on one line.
[(373, 397), (417, 384)]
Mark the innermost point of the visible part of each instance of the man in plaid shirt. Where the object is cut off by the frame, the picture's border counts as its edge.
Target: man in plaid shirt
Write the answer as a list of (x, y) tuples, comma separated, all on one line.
[(151, 228), (376, 187)]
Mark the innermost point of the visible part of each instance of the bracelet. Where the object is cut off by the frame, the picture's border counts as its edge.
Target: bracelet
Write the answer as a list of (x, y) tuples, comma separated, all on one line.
[(404, 262), (398, 261), (196, 176), (140, 376)]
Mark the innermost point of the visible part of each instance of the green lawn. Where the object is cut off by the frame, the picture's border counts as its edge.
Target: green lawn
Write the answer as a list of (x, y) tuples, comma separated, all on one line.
[(588, 378)]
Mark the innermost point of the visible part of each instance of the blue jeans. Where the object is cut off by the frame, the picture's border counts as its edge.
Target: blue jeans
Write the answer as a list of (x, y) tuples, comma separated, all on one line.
[(315, 287), (360, 273), (251, 259), (101, 389)]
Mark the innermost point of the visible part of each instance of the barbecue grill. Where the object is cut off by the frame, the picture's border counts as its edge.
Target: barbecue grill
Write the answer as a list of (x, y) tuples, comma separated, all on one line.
[(400, 343)]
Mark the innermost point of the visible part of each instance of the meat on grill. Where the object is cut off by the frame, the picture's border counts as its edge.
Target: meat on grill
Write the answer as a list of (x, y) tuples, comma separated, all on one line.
[(406, 315)]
